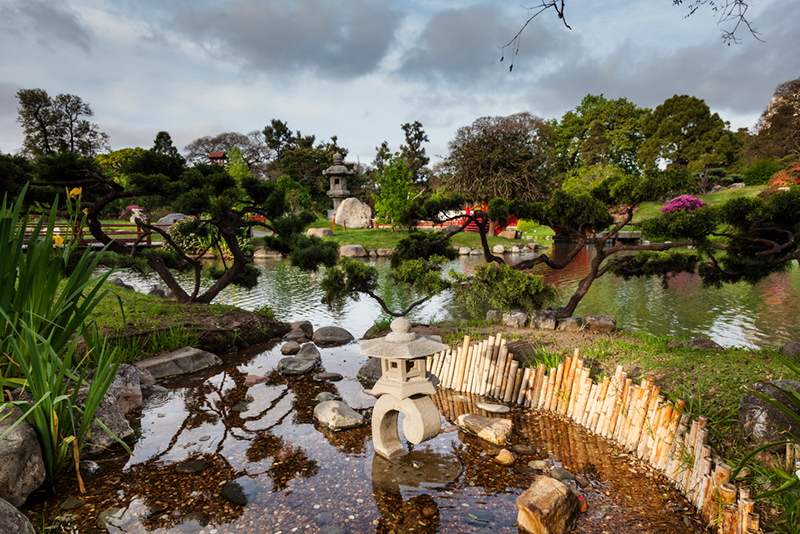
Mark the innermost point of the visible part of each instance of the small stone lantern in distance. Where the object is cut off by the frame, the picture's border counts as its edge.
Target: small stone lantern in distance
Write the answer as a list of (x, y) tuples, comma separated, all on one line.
[(338, 174), (404, 387)]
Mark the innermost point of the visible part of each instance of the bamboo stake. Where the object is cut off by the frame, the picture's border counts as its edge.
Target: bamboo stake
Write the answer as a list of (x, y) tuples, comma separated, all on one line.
[(728, 520), (651, 424), (677, 412), (506, 374), (497, 372), (576, 384), (523, 388), (640, 414), (746, 507), (537, 385), (483, 364), (621, 390), (476, 367), (703, 494), (529, 391), (634, 397), (753, 524), (598, 405), (492, 355), (547, 392), (612, 397), (512, 376), (437, 364), (566, 385), (445, 378), (583, 395), (462, 365), (661, 431), (676, 449), (469, 368), (587, 411), (622, 410), (517, 384), (553, 404)]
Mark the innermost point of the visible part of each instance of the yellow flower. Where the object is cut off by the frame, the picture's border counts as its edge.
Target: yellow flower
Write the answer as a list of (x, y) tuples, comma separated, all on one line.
[(76, 192), (86, 211), (58, 241)]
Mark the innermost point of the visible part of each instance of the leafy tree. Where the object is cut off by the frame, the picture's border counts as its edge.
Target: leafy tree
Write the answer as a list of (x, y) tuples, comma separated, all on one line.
[(779, 126), (255, 151), (163, 144), (501, 157), (15, 172), (394, 184), (220, 204), (278, 137), (602, 131), (413, 153), (683, 132), (58, 124), (237, 165)]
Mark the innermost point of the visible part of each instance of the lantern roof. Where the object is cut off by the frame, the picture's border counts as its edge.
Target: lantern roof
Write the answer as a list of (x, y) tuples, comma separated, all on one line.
[(402, 344)]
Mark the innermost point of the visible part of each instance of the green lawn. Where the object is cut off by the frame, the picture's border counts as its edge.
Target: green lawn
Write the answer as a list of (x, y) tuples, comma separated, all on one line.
[(651, 209)]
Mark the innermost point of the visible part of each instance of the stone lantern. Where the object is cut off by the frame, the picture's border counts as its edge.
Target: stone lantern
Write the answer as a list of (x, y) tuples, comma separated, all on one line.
[(338, 174), (404, 387)]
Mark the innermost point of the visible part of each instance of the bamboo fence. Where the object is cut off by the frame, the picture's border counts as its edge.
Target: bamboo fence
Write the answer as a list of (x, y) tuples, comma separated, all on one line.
[(635, 416)]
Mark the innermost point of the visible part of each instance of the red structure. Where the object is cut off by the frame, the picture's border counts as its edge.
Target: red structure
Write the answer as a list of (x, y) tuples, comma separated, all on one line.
[(218, 158)]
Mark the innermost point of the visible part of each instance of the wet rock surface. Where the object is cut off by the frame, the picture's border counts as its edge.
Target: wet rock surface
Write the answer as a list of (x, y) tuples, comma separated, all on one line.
[(303, 471)]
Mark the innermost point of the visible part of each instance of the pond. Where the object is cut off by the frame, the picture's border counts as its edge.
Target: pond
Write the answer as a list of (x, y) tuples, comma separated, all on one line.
[(742, 315), (220, 426)]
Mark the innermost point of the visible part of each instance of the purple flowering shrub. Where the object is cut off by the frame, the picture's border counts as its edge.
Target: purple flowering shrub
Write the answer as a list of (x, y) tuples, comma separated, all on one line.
[(686, 203)]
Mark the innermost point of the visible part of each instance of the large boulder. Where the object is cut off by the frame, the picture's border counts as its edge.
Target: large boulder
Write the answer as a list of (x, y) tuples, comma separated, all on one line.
[(296, 366), (352, 213), (126, 388), (515, 318), (14, 521), (336, 415), (109, 413), (763, 423), (545, 320), (570, 324), (332, 336), (305, 326), (600, 323), (21, 466), (370, 372), (319, 232), (547, 507), (178, 362), (353, 251), (792, 350)]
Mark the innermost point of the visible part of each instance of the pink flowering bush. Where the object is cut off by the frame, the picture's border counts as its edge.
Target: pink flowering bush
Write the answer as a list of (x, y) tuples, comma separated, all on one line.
[(687, 203), (127, 212)]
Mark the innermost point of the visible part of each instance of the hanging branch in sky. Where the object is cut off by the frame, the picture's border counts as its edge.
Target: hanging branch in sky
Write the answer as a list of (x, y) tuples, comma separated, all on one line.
[(732, 16)]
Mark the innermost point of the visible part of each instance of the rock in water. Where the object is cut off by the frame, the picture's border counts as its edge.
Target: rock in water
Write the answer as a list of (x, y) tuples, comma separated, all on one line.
[(332, 336), (493, 430), (547, 507), (505, 457), (296, 366), (337, 415)]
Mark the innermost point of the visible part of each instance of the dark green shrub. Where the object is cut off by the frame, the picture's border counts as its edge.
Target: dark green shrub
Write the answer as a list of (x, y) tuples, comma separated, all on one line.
[(761, 171)]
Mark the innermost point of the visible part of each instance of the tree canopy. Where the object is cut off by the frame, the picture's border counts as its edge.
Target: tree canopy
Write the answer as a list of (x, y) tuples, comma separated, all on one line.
[(60, 124), (501, 157)]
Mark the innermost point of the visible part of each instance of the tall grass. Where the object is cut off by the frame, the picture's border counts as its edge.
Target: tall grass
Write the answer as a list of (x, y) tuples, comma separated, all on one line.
[(43, 313)]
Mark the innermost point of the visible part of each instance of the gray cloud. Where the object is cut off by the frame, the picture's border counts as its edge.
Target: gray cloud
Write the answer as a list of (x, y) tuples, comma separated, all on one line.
[(737, 78), (335, 39), (463, 46), (49, 22)]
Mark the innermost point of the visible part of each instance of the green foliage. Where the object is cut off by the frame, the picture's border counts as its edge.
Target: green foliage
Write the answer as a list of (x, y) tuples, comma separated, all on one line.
[(61, 421), (496, 286), (42, 314), (349, 278), (247, 278), (661, 264), (133, 349), (237, 165), (682, 224), (420, 245), (30, 275), (422, 274), (296, 195), (760, 172), (265, 310), (526, 226), (395, 184)]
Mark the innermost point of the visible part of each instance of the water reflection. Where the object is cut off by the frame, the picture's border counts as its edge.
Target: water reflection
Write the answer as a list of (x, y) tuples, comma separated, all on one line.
[(735, 315)]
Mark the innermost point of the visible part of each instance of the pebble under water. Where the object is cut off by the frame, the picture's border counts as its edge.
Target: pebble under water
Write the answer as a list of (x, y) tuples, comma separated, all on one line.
[(217, 454)]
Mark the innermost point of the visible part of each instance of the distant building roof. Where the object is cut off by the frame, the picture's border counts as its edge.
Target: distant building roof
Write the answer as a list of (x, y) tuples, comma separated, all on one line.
[(216, 155)]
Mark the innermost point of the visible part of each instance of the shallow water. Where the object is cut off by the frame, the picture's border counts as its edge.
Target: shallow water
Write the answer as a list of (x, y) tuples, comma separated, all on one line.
[(301, 478), (763, 315)]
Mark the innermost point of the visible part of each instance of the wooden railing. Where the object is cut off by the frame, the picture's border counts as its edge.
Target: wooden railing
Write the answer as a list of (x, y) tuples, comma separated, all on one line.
[(125, 233)]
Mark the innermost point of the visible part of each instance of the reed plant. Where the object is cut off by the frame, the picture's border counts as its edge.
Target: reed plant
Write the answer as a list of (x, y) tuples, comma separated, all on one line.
[(44, 313)]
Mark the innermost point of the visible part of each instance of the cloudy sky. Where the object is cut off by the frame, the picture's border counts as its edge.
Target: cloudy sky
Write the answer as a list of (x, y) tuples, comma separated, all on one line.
[(358, 69)]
